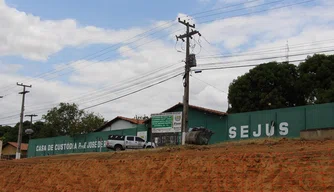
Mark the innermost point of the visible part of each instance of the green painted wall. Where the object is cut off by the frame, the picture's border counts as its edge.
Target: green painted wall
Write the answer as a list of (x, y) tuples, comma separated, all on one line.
[(91, 142), (214, 122), (288, 123)]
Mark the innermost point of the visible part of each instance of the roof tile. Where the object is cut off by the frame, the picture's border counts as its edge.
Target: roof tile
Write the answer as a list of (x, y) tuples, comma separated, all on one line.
[(24, 146)]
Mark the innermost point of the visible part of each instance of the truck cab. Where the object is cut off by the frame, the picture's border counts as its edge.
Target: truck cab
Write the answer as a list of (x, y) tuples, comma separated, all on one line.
[(123, 142)]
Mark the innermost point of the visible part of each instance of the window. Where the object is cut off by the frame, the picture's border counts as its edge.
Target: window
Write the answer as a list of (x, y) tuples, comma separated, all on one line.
[(140, 139), (116, 137), (129, 138)]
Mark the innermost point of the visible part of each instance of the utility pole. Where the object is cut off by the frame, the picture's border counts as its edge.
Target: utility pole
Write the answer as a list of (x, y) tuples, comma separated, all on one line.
[(19, 139), (287, 51), (33, 115), (187, 35)]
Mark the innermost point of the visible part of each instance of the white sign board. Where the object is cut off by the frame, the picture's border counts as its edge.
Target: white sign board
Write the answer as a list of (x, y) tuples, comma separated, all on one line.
[(142, 134), (166, 122)]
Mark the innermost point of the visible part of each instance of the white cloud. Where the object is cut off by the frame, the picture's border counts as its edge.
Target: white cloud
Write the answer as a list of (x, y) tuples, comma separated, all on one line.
[(269, 30), (31, 37), (268, 27)]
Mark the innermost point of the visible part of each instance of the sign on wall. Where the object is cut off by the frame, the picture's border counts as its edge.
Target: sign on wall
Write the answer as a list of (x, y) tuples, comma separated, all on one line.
[(142, 134), (166, 122)]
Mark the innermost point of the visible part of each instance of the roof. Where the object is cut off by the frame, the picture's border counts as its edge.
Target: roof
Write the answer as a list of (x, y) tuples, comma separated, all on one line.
[(24, 146), (131, 120), (196, 108)]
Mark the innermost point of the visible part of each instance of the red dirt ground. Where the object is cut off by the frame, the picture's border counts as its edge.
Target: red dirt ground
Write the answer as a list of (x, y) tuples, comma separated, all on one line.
[(276, 165)]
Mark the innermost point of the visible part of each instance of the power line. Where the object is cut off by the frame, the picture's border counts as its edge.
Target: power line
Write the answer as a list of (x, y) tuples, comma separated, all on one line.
[(213, 87), (146, 87), (240, 66), (106, 87), (290, 5), (159, 82), (113, 91), (153, 78), (109, 47), (139, 35), (266, 58), (209, 84), (162, 29), (199, 65), (127, 88), (267, 50), (263, 53), (234, 5), (269, 3), (105, 59)]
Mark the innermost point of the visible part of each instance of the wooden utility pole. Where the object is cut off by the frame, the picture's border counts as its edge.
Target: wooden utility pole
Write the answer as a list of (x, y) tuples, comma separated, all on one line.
[(19, 139), (187, 35)]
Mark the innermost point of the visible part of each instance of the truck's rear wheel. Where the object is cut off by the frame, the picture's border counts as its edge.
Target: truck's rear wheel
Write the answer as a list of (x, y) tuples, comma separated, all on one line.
[(118, 148)]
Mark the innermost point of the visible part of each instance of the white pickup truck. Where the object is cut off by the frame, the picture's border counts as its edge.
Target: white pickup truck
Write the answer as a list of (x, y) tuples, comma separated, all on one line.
[(122, 142)]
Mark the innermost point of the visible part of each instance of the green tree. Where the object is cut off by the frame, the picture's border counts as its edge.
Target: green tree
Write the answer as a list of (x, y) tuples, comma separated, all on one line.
[(317, 78), (267, 86), (67, 119), (90, 122), (40, 130), (10, 134)]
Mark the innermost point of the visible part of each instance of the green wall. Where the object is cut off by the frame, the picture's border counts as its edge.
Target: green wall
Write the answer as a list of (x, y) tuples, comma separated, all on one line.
[(288, 123), (91, 142), (214, 122)]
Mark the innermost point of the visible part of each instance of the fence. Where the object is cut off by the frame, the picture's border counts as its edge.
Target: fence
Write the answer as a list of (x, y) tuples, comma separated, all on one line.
[(92, 142), (287, 122)]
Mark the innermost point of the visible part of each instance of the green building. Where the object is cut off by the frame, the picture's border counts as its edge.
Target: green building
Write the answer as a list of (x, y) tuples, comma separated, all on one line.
[(198, 117)]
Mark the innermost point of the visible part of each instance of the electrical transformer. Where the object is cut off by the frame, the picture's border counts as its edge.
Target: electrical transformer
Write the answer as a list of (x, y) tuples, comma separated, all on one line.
[(192, 60)]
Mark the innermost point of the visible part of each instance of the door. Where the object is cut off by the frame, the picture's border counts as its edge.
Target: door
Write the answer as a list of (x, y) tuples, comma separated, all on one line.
[(140, 142), (130, 142)]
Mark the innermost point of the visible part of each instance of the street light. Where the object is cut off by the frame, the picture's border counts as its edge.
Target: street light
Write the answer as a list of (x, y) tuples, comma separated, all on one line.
[(29, 132)]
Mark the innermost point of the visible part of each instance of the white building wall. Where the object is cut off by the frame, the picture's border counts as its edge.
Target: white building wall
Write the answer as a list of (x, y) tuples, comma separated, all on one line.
[(119, 125)]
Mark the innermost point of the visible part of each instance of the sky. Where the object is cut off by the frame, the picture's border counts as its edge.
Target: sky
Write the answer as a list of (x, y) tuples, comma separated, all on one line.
[(121, 58)]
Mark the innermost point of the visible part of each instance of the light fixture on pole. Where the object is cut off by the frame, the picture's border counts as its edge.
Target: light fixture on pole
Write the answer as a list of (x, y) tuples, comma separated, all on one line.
[(198, 71), (29, 132)]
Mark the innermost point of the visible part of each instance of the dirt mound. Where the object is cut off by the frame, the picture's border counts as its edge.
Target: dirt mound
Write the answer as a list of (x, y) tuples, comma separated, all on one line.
[(288, 165)]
